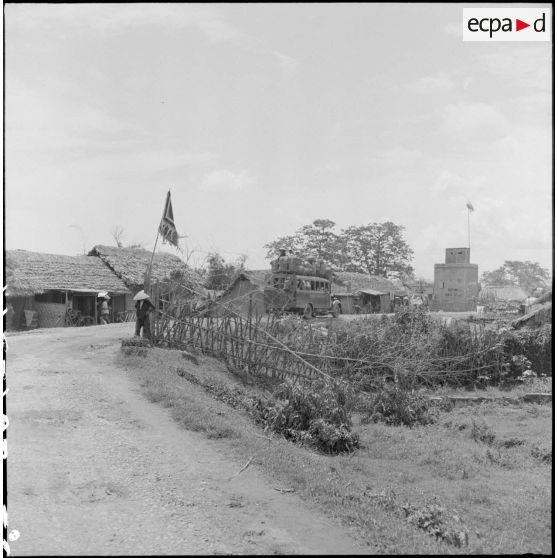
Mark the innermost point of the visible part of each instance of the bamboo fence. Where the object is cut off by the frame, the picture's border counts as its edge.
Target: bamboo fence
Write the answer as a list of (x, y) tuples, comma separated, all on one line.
[(246, 344)]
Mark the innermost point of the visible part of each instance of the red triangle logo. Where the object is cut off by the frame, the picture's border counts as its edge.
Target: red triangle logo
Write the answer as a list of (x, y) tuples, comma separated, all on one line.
[(519, 25)]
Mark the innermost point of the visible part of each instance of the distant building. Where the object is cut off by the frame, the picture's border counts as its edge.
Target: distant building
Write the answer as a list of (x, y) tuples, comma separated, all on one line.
[(41, 288), (456, 282), (502, 293), (360, 292), (243, 295)]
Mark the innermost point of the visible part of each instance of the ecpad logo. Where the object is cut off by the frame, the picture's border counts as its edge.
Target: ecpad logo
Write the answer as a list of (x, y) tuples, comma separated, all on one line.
[(494, 24), (506, 24)]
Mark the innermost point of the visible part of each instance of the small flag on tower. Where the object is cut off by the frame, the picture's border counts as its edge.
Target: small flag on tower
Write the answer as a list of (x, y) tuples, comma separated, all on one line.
[(470, 206), (167, 227)]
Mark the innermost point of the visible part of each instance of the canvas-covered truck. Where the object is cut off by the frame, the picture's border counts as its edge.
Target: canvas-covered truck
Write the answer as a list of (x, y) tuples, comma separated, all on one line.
[(301, 287)]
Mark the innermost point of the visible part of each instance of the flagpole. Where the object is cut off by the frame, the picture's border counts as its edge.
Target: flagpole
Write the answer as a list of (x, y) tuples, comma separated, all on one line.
[(148, 272), (469, 228), (147, 282)]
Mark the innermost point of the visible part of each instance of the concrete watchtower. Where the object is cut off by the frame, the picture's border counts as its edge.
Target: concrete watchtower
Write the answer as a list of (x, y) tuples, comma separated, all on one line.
[(456, 282)]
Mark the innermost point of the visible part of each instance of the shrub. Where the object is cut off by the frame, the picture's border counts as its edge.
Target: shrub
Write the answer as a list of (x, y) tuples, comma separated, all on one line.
[(434, 520), (412, 319), (396, 405), (319, 417), (534, 345), (482, 433)]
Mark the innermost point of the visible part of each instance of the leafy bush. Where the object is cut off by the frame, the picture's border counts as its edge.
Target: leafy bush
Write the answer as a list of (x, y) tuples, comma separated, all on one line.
[(434, 520), (482, 433), (413, 319), (535, 345), (393, 404), (318, 416)]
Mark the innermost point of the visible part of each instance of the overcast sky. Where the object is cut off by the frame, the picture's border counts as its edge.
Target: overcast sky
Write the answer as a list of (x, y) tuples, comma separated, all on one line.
[(263, 118)]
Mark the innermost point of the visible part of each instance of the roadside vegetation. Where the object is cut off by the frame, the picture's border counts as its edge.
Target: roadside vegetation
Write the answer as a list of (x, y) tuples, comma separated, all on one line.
[(371, 448)]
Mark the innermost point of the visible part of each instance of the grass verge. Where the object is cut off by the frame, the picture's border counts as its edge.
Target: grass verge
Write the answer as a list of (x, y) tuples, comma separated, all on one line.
[(476, 481)]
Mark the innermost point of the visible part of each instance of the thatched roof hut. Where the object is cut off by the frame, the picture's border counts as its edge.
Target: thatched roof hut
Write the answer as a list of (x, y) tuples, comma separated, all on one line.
[(245, 293), (503, 293), (346, 281), (256, 277), (130, 264), (31, 273)]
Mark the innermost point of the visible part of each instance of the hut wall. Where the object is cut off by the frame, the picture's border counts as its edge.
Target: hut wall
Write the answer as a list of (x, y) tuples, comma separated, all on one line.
[(346, 303), (385, 303), (19, 304), (129, 303), (119, 303), (51, 314)]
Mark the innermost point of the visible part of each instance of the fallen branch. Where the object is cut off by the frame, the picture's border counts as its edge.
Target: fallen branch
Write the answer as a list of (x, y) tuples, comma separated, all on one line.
[(283, 490), (245, 466)]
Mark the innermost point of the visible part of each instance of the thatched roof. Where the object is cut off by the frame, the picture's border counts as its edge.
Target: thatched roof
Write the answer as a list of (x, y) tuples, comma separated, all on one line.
[(502, 292), (30, 273), (130, 264), (256, 277), (359, 281)]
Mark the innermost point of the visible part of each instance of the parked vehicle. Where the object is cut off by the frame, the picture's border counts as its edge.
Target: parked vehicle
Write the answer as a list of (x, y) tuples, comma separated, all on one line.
[(289, 289)]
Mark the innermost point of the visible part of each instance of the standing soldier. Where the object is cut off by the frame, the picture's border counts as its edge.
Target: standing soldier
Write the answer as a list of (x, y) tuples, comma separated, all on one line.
[(143, 308)]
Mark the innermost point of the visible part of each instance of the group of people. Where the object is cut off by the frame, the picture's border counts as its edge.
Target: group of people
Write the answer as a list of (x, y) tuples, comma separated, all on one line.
[(143, 306)]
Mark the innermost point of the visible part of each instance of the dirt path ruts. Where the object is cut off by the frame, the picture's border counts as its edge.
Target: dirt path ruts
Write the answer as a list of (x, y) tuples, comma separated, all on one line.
[(94, 468)]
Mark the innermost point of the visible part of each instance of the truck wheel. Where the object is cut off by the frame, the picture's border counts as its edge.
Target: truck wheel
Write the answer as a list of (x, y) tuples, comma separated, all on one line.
[(308, 312), (336, 310)]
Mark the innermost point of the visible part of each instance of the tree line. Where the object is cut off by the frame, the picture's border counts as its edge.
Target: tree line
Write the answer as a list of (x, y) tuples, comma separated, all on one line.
[(376, 249), (527, 275)]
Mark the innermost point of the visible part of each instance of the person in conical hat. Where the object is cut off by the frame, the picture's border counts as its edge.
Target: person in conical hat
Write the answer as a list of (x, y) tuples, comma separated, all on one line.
[(105, 312), (144, 307)]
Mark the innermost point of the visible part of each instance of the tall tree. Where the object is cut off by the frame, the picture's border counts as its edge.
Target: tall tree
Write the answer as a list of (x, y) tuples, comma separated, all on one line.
[(528, 275), (219, 273), (293, 242), (378, 249), (317, 239)]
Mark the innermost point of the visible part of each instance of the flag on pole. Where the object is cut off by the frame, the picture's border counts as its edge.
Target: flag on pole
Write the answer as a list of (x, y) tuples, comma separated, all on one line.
[(167, 227), (470, 206)]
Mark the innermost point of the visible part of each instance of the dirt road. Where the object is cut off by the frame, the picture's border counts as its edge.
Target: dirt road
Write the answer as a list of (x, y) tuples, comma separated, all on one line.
[(94, 468)]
